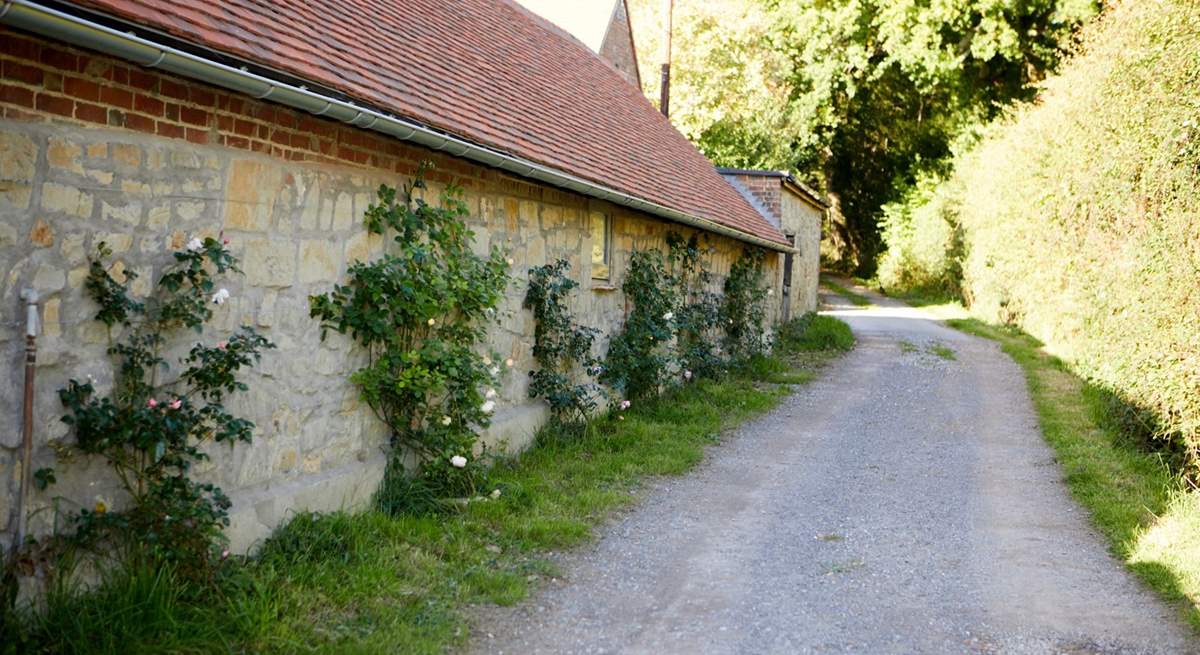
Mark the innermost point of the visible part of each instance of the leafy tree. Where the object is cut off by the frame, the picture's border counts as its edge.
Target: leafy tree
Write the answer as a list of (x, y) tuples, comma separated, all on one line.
[(858, 96)]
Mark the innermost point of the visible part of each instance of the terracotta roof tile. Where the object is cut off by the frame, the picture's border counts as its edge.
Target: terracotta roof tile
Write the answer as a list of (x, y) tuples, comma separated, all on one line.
[(485, 70)]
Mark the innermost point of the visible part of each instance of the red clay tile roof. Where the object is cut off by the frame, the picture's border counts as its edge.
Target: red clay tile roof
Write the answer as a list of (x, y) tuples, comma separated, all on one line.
[(485, 70)]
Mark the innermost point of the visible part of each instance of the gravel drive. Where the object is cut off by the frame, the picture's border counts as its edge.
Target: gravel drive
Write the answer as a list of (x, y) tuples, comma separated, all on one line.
[(901, 503)]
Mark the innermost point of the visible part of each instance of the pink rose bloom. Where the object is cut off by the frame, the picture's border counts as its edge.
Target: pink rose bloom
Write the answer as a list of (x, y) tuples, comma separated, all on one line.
[(152, 403), (177, 404), (222, 344)]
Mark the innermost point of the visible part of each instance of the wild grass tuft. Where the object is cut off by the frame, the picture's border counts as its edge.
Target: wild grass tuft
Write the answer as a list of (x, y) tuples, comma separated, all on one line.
[(853, 296)]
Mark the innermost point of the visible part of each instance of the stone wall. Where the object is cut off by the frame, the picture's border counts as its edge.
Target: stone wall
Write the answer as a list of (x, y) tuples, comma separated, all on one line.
[(289, 191), (802, 218)]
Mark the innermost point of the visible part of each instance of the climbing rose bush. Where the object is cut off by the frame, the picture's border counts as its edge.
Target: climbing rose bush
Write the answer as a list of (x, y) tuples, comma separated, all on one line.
[(152, 425), (422, 311), (561, 347)]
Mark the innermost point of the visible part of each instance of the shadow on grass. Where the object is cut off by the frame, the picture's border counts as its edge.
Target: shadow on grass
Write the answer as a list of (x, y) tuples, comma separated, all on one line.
[(1126, 479)]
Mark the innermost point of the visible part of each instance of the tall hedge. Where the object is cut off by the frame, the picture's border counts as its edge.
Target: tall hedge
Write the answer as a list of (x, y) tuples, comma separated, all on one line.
[(1079, 217)]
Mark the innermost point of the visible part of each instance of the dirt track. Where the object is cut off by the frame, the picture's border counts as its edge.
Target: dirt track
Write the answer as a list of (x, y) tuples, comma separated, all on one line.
[(902, 503)]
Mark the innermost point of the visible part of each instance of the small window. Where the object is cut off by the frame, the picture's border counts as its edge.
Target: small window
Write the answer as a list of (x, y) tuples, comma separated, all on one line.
[(601, 245)]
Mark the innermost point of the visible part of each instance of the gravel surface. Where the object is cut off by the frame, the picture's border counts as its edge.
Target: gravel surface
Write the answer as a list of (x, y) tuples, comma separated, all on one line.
[(901, 503)]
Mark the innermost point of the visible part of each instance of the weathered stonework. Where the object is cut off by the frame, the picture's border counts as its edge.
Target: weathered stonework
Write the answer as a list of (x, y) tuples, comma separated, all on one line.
[(295, 221)]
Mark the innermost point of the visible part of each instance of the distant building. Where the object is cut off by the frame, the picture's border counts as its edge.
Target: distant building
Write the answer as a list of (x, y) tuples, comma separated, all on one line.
[(798, 212)]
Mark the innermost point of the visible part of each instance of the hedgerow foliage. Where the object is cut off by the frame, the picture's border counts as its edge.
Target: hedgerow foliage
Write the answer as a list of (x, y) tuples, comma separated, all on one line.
[(1079, 218), (422, 311), (152, 425), (561, 347)]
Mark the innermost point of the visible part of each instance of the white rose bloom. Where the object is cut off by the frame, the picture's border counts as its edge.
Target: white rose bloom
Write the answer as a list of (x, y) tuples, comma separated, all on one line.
[(445, 420), (220, 296), (487, 407), (668, 316), (495, 494), (770, 292), (495, 370), (487, 361), (458, 461), (195, 245), (431, 321), (491, 393), (508, 362)]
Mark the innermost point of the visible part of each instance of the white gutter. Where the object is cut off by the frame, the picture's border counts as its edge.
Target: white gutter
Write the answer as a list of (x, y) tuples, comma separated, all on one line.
[(79, 31)]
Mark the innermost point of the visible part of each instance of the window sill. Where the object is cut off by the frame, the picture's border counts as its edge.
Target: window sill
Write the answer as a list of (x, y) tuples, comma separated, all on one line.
[(603, 286)]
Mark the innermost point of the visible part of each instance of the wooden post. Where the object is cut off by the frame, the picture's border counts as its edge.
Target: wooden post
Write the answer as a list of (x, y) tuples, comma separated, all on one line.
[(664, 97)]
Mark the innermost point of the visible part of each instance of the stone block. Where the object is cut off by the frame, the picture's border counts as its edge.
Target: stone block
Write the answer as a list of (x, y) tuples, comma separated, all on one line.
[(15, 194), (311, 206), (119, 242), (8, 235), (64, 155), (51, 324), (158, 217), (129, 213), (318, 261), (41, 235), (66, 199), (72, 247), (266, 310), (101, 176), (49, 278), (343, 212), (127, 154), (358, 248), (189, 210), (250, 195), (18, 155), (269, 262)]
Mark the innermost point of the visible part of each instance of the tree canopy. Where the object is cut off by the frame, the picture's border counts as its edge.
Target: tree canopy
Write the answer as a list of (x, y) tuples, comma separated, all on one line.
[(857, 96)]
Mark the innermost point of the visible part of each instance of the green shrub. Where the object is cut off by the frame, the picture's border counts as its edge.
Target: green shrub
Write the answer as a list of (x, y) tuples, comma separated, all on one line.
[(422, 311), (1079, 218), (924, 241), (697, 316), (813, 332), (561, 346), (743, 307), (152, 425), (638, 357)]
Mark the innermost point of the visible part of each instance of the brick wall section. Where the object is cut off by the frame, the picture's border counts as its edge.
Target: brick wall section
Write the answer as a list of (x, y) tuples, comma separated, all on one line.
[(170, 159), (768, 191), (42, 81)]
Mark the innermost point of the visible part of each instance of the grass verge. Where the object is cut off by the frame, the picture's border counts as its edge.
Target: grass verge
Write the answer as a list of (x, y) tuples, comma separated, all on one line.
[(854, 297), (372, 582), (1152, 523)]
